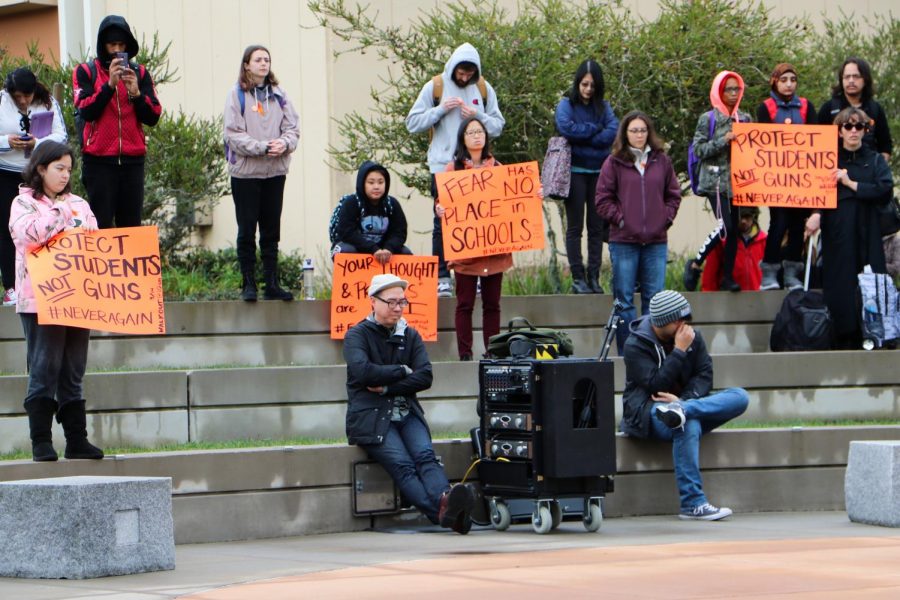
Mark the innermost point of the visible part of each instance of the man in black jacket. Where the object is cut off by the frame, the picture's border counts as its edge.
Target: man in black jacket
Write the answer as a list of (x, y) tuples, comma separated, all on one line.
[(668, 379), (386, 366)]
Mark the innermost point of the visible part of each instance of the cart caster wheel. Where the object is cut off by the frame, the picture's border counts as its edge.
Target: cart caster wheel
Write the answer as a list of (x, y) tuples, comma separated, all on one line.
[(593, 516), (500, 515), (541, 520), (556, 514)]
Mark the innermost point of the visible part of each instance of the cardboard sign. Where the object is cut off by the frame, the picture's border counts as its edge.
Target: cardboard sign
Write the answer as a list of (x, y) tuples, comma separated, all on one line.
[(493, 210), (789, 166), (350, 302), (108, 280)]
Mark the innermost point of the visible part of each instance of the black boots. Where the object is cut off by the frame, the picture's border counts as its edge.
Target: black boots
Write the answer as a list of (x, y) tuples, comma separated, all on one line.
[(74, 421), (40, 422), (273, 291), (248, 291)]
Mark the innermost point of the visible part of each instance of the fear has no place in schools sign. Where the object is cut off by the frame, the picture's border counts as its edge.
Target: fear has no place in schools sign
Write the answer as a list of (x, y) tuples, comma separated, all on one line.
[(107, 280)]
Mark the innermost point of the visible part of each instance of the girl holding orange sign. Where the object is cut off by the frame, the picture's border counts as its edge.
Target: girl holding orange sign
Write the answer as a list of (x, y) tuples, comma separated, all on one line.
[(56, 354), (473, 151)]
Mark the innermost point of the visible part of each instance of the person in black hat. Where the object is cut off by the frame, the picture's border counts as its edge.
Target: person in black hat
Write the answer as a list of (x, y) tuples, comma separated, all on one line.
[(115, 97), (668, 380)]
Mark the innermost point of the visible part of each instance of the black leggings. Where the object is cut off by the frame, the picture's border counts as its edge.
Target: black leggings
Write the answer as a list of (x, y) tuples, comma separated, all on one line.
[(785, 220)]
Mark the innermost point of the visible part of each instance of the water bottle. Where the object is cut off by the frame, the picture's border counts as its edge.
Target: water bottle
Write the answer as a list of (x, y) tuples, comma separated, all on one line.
[(309, 291)]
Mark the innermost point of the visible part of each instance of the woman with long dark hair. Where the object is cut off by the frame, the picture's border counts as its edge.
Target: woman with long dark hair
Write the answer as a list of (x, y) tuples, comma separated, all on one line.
[(56, 354), (473, 151), (261, 132), (639, 195), (28, 116), (587, 121)]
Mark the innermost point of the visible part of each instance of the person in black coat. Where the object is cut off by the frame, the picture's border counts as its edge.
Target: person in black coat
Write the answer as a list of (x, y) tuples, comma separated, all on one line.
[(855, 89), (387, 365), (851, 233), (370, 221)]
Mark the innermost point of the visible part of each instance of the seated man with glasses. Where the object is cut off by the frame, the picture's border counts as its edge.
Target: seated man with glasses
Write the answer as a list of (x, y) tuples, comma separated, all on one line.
[(387, 365)]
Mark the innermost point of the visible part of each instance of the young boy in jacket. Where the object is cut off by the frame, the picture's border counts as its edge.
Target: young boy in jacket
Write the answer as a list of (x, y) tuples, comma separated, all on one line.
[(748, 260), (116, 98), (387, 365), (668, 380)]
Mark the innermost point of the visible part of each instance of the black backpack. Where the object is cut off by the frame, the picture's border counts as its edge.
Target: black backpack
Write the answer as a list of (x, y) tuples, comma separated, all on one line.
[(802, 323)]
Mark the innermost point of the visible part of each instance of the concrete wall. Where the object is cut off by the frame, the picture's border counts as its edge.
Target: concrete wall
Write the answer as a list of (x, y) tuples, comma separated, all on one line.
[(260, 493)]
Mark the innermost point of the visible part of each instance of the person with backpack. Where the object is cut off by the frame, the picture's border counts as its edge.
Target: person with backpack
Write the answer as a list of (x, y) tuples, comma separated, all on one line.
[(446, 100), (262, 130), (473, 151), (712, 146), (784, 106), (588, 122), (29, 116), (856, 88), (639, 194), (751, 246), (369, 221), (851, 233), (114, 99)]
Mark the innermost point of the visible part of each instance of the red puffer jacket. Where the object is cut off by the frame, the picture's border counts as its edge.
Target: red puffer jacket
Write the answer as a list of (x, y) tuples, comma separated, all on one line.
[(113, 122)]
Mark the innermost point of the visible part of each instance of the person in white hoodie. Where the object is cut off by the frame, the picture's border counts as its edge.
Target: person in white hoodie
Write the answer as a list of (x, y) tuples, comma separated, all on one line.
[(445, 101), (22, 100), (261, 131)]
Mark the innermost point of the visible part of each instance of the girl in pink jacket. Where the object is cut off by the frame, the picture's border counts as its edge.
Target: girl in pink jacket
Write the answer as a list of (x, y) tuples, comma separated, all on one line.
[(56, 354)]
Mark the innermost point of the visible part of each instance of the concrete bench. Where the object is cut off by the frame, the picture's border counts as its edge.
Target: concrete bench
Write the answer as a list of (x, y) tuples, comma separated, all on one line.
[(872, 483), (85, 527)]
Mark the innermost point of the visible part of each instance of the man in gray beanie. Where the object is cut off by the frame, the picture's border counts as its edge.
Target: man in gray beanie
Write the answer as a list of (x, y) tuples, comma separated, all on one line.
[(668, 380)]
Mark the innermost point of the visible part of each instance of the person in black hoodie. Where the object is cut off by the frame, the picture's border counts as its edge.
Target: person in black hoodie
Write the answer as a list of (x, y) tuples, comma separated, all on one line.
[(851, 233), (668, 379), (387, 365), (116, 98), (370, 221), (856, 89)]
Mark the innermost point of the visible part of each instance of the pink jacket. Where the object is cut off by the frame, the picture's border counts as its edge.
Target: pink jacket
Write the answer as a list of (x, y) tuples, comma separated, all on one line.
[(32, 223)]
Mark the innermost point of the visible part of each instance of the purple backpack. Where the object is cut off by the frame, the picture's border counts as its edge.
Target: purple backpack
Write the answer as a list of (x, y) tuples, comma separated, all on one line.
[(693, 164)]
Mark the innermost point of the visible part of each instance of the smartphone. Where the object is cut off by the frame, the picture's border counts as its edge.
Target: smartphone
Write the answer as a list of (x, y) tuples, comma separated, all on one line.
[(124, 57), (25, 137)]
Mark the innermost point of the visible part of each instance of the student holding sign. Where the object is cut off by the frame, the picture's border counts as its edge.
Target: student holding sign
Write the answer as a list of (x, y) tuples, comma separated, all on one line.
[(714, 152), (56, 354), (784, 106), (588, 122), (29, 115), (851, 233), (855, 88), (473, 151)]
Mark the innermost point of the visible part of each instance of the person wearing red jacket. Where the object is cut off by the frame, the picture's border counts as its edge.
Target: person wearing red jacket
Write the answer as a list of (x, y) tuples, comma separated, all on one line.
[(115, 96), (750, 250)]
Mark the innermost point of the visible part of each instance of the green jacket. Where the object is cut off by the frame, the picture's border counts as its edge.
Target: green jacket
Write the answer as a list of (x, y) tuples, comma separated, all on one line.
[(715, 153)]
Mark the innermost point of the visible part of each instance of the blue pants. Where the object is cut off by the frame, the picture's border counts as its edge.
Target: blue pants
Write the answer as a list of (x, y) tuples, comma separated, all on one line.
[(703, 415), (406, 454), (631, 263)]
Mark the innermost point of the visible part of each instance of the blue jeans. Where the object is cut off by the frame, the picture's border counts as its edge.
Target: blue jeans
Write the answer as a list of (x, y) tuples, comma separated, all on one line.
[(703, 415), (632, 263), (406, 454)]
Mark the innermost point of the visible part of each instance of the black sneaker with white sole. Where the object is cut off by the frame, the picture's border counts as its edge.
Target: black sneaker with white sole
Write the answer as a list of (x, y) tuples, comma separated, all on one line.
[(671, 413), (706, 512)]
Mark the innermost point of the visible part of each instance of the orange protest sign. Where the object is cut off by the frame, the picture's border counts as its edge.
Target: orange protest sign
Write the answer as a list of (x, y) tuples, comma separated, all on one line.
[(493, 210), (783, 165), (350, 302), (108, 280)]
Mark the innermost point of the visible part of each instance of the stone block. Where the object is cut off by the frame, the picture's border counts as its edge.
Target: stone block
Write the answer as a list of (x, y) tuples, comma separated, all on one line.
[(872, 483), (85, 527)]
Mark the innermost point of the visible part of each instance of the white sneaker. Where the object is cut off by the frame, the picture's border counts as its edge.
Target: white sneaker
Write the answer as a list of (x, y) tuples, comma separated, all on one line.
[(9, 298), (706, 512), (445, 289), (671, 413)]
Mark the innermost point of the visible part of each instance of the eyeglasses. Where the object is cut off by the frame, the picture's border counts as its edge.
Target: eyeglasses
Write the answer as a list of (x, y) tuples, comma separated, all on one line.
[(394, 304), (856, 126), (475, 132), (732, 90), (640, 131)]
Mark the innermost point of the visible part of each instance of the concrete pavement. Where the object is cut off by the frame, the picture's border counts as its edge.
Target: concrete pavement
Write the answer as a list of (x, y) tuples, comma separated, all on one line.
[(804, 555)]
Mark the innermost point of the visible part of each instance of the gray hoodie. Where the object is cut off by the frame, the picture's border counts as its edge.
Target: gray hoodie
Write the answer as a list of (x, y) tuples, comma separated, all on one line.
[(247, 135), (424, 114)]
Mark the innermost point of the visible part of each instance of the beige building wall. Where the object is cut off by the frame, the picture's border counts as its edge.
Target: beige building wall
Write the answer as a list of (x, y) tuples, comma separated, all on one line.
[(208, 37), (37, 25)]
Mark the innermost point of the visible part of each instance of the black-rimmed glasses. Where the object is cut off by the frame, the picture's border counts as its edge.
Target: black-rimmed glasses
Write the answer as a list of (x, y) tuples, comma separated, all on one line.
[(394, 304)]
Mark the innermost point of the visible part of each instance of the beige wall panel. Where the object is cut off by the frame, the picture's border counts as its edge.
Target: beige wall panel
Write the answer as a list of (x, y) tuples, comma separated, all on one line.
[(18, 31)]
